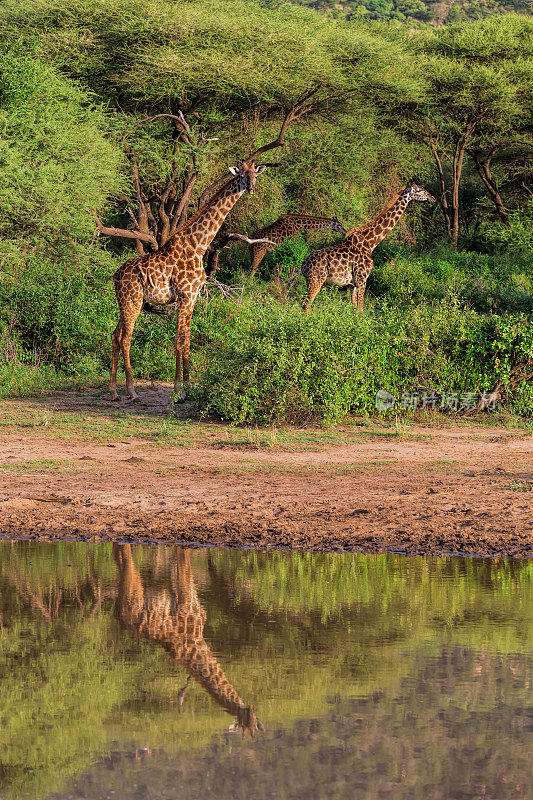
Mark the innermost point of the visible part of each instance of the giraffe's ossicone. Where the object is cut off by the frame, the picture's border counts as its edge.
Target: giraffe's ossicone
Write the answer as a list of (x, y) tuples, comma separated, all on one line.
[(173, 276), (349, 263)]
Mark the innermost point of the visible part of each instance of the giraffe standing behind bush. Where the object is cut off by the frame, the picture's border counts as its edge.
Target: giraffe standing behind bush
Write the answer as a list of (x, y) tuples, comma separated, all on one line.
[(349, 263), (285, 226)]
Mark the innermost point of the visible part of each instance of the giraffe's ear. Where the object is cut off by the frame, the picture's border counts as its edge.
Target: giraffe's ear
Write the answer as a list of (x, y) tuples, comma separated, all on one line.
[(260, 169), (234, 170)]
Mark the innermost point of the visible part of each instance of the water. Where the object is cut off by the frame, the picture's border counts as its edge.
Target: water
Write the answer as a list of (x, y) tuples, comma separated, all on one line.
[(373, 676)]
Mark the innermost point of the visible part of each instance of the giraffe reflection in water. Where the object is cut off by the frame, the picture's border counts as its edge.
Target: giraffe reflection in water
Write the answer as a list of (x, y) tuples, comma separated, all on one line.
[(174, 618)]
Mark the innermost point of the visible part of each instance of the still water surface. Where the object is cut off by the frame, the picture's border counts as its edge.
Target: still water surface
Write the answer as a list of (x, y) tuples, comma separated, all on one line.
[(123, 671)]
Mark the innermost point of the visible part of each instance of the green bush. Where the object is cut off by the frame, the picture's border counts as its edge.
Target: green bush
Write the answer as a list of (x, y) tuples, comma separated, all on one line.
[(269, 363), (62, 316), (499, 282)]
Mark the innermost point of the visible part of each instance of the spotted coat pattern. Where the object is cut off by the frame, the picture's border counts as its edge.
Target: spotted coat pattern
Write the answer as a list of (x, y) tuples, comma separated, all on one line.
[(174, 618), (173, 276), (287, 225), (349, 263)]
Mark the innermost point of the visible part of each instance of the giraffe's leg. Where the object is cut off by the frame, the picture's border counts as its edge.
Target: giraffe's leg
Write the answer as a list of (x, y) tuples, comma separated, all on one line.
[(128, 322), (353, 295), (183, 691), (360, 297), (182, 347), (314, 285), (361, 284), (116, 337), (186, 349), (258, 254)]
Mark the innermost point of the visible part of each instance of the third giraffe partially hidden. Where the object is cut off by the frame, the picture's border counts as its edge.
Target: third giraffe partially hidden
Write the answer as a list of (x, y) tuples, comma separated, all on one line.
[(349, 263), (285, 226)]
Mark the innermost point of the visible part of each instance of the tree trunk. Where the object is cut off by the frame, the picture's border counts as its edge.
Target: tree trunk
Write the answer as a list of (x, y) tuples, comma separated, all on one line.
[(443, 200), (482, 163), (457, 171)]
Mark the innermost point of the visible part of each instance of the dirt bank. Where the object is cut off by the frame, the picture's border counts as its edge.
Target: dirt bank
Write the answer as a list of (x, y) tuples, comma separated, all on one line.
[(459, 490)]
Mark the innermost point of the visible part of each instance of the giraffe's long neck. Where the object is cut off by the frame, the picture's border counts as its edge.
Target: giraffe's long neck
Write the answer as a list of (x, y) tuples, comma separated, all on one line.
[(297, 223), (194, 653), (175, 622), (200, 231), (375, 231), (202, 665)]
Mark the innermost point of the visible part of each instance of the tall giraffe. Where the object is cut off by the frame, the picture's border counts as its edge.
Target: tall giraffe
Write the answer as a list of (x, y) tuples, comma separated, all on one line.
[(349, 263), (175, 619), (287, 225), (173, 276)]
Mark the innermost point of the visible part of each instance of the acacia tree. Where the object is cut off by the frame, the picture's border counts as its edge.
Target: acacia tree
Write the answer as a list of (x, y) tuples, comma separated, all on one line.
[(48, 125), (479, 80), (189, 90), (156, 212)]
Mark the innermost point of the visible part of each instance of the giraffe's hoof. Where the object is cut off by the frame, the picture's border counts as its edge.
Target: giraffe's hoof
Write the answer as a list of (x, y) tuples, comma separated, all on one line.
[(134, 398), (115, 398), (179, 397)]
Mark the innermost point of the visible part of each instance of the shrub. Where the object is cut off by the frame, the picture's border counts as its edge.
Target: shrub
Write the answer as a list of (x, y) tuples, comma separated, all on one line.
[(269, 363)]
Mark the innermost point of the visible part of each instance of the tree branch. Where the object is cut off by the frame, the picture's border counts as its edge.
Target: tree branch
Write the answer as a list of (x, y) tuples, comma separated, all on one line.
[(482, 162), (298, 110), (301, 107), (176, 117), (122, 232), (244, 238), (183, 203)]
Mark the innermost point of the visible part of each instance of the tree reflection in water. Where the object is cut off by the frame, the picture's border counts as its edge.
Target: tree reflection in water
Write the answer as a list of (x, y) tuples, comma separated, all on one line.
[(375, 675)]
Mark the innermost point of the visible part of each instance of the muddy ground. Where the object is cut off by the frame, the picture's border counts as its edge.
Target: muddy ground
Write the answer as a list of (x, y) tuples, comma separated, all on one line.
[(74, 466)]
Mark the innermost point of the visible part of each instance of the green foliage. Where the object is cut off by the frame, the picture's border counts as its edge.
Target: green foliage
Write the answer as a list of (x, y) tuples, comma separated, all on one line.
[(286, 259), (274, 363), (167, 49), (55, 160), (62, 316), (515, 238), (291, 631), (488, 282)]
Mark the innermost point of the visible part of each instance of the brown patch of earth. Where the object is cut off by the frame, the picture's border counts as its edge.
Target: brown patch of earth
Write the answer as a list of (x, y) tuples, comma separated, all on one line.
[(462, 490)]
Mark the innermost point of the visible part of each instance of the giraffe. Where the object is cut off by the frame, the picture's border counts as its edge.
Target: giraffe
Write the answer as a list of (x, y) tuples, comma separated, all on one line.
[(175, 619), (287, 225), (173, 276), (349, 263)]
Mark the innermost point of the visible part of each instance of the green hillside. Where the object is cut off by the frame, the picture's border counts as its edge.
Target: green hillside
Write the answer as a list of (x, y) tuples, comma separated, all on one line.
[(432, 12)]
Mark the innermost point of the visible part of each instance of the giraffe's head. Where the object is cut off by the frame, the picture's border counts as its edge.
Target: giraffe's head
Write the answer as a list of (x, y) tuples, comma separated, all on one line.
[(415, 192), (247, 174), (247, 721), (336, 226)]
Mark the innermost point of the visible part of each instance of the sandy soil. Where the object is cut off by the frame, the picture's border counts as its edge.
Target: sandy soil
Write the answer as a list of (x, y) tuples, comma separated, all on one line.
[(463, 490)]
